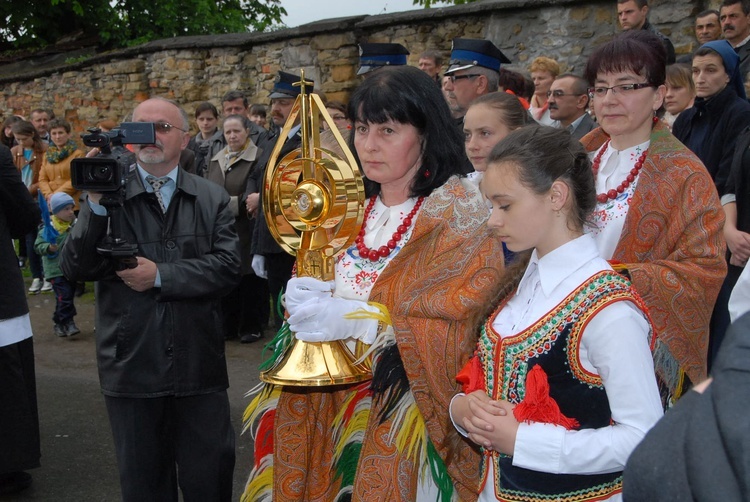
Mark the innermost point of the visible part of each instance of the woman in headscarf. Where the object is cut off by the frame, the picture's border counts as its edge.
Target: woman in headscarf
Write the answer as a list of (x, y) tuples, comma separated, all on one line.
[(720, 111), (710, 129)]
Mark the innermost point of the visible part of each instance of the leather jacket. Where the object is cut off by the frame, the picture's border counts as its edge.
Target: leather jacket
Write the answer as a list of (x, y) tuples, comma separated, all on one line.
[(167, 340)]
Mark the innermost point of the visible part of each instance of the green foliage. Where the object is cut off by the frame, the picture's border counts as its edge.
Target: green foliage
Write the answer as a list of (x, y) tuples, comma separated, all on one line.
[(431, 3), (35, 24), (77, 59)]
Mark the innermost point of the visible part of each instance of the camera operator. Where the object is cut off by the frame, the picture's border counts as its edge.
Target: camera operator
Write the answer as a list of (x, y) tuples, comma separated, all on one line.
[(160, 344)]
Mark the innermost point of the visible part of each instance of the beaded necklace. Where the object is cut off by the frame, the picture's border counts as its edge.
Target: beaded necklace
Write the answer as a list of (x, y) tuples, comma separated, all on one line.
[(613, 193), (383, 251)]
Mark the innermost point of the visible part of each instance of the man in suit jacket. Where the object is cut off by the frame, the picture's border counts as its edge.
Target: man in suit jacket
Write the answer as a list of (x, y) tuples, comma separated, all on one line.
[(568, 100)]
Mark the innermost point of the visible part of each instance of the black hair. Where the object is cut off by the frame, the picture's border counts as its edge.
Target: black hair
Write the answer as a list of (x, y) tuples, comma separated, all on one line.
[(743, 3), (258, 109), (206, 107), (232, 95), (639, 51), (408, 95)]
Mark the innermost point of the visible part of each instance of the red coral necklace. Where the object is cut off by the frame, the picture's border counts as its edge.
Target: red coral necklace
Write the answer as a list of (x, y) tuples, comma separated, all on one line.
[(383, 251), (613, 193)]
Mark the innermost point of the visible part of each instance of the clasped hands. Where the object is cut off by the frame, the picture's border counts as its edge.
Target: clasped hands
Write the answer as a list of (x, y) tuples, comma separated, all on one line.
[(315, 315), (488, 423)]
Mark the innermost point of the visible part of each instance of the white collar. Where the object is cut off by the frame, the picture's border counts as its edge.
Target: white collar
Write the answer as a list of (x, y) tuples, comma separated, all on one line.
[(561, 263)]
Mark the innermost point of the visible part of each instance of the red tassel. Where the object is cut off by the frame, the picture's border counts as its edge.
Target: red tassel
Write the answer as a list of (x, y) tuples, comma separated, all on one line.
[(471, 377), (538, 406), (264, 437)]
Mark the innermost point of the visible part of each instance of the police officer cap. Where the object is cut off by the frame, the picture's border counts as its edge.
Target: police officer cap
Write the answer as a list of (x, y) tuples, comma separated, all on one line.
[(373, 56), (284, 87), (468, 52)]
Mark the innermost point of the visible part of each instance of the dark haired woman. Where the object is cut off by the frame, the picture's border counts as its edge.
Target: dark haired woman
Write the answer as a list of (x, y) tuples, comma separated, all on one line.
[(28, 155), (566, 356), (657, 213), (426, 257), (6, 133)]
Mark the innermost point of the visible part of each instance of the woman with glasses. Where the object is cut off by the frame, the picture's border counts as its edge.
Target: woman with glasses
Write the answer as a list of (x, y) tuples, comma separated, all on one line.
[(337, 111), (658, 218)]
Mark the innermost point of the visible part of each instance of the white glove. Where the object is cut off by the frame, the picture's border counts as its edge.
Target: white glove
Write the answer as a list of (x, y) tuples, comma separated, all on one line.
[(301, 289), (322, 320), (259, 266)]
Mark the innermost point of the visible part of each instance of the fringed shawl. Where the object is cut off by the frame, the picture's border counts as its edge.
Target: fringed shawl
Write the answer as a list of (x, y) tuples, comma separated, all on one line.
[(434, 288), (673, 247)]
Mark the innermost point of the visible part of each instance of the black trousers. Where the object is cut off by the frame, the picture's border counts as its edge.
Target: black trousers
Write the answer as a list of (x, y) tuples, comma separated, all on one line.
[(155, 438), (279, 267), (19, 417), (245, 308)]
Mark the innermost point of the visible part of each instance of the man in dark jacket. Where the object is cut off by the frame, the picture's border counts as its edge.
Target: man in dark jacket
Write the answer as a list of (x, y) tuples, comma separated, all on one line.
[(633, 15), (269, 260), (160, 342), (19, 420)]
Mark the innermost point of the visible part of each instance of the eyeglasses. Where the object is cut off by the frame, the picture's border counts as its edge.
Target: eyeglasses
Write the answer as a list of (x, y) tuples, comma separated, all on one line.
[(560, 94), (459, 77), (165, 127), (600, 92)]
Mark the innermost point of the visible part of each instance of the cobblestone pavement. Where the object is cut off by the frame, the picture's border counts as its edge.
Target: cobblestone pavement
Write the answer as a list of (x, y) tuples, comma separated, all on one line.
[(78, 462)]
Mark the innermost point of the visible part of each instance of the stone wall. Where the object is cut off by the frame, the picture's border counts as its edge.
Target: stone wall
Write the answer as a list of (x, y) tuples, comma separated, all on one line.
[(91, 87)]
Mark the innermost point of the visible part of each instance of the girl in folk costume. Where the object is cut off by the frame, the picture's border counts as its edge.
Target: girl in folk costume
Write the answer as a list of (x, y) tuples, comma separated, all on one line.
[(562, 386), (424, 263), (658, 214)]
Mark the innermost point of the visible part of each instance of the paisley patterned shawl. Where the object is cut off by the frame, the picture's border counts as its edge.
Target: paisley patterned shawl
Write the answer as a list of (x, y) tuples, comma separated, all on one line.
[(435, 287), (673, 246)]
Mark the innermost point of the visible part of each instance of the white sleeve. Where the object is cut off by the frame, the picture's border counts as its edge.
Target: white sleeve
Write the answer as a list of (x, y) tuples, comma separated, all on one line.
[(739, 300), (460, 429), (614, 344)]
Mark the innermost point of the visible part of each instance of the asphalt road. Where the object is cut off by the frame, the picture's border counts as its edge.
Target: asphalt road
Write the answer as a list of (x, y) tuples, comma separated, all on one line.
[(78, 460)]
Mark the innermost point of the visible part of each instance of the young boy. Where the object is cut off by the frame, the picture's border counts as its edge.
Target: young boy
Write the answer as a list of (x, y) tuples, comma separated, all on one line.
[(61, 206)]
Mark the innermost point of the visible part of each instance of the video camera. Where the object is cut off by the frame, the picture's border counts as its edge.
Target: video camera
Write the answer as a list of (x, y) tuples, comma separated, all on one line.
[(105, 174)]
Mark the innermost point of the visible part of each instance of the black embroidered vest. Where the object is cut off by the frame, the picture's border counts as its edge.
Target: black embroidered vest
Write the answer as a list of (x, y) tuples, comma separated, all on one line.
[(552, 342)]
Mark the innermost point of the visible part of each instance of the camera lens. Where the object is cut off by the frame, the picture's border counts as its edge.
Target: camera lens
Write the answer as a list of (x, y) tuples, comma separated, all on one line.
[(101, 174)]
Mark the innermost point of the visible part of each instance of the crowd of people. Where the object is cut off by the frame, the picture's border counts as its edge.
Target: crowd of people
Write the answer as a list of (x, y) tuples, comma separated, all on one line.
[(548, 263)]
